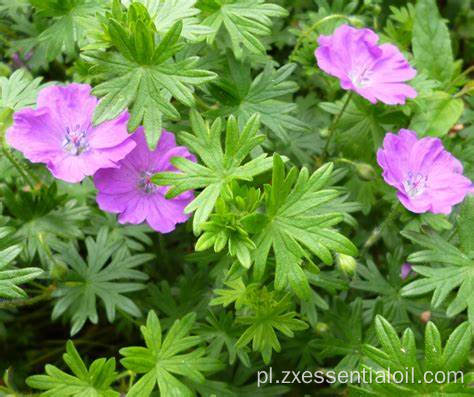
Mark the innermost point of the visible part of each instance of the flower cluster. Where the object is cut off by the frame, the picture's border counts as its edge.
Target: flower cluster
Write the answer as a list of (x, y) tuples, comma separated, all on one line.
[(426, 176), (60, 134)]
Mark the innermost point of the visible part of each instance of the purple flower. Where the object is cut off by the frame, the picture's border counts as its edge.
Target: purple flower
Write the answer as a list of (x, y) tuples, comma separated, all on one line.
[(18, 61), (128, 190), (427, 177), (376, 72), (405, 271), (59, 133)]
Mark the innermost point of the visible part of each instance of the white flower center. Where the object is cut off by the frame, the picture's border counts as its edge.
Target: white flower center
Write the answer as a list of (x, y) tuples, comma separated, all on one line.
[(415, 184), (361, 77), (75, 141), (145, 184)]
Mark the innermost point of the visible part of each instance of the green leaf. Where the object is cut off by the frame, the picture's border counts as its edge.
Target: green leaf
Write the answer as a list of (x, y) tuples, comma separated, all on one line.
[(400, 355), (359, 131), (92, 382), (235, 211), (236, 293), (221, 165), (11, 278), (101, 276), (19, 90), (456, 273), (268, 315), (435, 115), (221, 331), (433, 348), (458, 347), (144, 75), (399, 25), (163, 359), (346, 342), (236, 93), (71, 21), (466, 225), (165, 13), (431, 36), (385, 289), (243, 20), (295, 226), (43, 218)]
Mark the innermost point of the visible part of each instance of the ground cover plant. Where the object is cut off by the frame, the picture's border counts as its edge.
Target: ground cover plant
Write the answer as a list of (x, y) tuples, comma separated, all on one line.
[(236, 197)]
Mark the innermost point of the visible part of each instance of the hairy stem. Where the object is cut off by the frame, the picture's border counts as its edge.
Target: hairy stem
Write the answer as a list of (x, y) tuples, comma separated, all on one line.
[(10, 304), (377, 232), (334, 123), (314, 27)]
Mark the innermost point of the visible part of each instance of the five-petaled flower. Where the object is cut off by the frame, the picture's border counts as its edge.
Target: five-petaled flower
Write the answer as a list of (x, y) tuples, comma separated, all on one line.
[(376, 72), (427, 177), (60, 133), (128, 190)]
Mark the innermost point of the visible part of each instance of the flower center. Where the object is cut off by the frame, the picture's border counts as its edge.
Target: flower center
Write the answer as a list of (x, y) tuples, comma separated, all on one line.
[(145, 184), (361, 77), (75, 141), (415, 184)]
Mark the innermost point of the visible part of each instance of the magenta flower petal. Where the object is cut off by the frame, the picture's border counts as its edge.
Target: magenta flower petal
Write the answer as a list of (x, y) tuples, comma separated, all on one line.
[(426, 176), (376, 72), (68, 105), (160, 208), (60, 134), (75, 168), (405, 271), (128, 191), (100, 138), (34, 134)]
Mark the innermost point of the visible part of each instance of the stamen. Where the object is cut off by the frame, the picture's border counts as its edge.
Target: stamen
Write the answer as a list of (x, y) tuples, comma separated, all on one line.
[(145, 184), (361, 78), (415, 184), (75, 141)]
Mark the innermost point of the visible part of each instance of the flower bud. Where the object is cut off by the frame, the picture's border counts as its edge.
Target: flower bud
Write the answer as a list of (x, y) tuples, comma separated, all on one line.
[(405, 271), (324, 132), (455, 129), (321, 328), (346, 263), (425, 316), (58, 270), (365, 171)]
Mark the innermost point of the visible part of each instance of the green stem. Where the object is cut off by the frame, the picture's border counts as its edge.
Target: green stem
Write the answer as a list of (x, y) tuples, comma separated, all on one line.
[(313, 28), (54, 266), (131, 380), (461, 76), (4, 124), (16, 164), (377, 232), (203, 104), (334, 123), (11, 304)]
